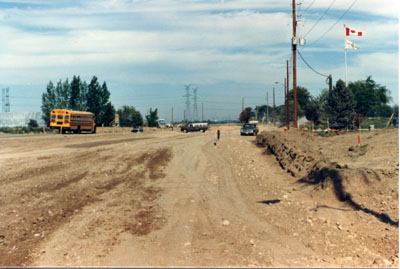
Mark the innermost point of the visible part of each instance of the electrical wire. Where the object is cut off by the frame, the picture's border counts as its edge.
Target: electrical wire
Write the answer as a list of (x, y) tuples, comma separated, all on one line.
[(315, 24), (309, 66), (309, 6), (341, 17)]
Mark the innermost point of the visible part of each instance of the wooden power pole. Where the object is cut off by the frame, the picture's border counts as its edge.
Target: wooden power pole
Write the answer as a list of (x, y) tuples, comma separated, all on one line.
[(294, 45), (274, 106), (242, 103), (287, 95), (267, 109)]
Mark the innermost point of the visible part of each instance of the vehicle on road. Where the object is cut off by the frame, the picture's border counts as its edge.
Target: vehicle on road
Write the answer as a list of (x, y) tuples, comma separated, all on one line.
[(249, 129), (136, 129), (70, 120), (195, 127)]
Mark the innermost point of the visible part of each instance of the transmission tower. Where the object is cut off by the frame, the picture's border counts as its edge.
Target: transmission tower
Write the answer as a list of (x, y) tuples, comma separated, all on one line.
[(195, 112), (187, 95), (6, 100)]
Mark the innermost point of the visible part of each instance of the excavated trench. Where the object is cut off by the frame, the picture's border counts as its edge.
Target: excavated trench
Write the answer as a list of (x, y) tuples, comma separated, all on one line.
[(310, 168)]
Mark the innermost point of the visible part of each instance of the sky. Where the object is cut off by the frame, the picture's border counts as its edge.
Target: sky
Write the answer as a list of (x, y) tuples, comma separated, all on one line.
[(232, 51)]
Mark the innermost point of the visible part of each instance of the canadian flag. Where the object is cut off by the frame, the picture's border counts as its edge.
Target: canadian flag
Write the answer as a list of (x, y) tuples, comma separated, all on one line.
[(353, 32)]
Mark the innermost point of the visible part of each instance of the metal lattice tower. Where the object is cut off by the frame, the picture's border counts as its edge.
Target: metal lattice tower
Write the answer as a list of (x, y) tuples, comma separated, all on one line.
[(187, 95), (195, 111), (6, 100)]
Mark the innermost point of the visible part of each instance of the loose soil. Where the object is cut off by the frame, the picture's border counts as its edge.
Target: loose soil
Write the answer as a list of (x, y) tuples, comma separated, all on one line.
[(164, 198)]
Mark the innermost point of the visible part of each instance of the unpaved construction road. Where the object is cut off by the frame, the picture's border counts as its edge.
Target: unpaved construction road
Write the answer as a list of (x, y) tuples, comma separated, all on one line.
[(164, 198)]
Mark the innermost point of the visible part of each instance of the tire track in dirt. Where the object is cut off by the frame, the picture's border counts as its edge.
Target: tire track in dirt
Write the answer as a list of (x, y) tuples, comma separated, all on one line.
[(49, 198)]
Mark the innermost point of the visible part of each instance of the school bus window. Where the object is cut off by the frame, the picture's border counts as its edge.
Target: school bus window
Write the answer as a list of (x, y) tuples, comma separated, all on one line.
[(60, 117), (66, 117), (53, 116)]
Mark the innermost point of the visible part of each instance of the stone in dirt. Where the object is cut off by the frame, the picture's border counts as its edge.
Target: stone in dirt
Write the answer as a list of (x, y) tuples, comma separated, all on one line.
[(225, 222)]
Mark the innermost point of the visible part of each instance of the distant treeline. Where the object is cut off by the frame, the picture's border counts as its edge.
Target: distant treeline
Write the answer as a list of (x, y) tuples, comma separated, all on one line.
[(78, 95), (343, 106)]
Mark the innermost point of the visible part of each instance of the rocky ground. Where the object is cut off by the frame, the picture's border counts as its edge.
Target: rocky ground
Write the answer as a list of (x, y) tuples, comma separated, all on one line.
[(164, 198)]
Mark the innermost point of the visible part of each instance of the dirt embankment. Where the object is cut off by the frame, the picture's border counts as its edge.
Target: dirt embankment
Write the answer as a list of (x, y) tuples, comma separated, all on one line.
[(366, 177)]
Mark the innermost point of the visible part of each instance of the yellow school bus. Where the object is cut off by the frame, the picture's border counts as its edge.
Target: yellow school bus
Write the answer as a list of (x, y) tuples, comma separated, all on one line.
[(72, 121)]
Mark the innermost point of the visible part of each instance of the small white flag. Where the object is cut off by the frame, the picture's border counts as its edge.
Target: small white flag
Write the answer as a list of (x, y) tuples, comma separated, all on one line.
[(351, 45)]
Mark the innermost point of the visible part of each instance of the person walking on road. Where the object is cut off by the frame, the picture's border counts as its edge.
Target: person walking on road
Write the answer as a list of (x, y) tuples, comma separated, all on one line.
[(218, 133)]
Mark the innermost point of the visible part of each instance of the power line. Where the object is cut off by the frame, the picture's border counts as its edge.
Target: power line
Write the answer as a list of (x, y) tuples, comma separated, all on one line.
[(309, 5), (315, 24), (341, 17), (301, 56)]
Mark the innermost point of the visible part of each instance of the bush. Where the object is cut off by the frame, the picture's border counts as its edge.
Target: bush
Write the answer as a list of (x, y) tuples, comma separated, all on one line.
[(32, 123)]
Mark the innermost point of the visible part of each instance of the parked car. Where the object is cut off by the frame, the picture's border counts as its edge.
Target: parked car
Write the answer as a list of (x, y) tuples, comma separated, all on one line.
[(136, 129), (194, 127), (249, 129)]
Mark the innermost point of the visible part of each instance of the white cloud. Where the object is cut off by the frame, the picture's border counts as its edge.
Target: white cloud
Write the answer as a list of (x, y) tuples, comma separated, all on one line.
[(199, 41)]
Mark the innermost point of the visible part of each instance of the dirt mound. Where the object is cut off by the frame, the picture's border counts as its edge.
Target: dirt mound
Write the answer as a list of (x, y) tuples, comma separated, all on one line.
[(373, 190)]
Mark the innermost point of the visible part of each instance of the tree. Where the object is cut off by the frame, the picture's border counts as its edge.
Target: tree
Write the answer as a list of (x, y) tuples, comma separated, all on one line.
[(313, 112), (340, 106), (396, 110), (369, 96), (246, 115), (74, 96), (48, 102), (152, 118), (33, 123), (129, 116), (79, 96), (98, 102), (303, 98), (261, 112)]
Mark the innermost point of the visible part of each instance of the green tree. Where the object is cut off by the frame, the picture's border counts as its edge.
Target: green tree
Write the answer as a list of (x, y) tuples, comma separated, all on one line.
[(152, 118), (74, 96), (340, 106), (129, 116), (396, 110), (107, 114), (303, 98), (33, 123), (369, 96), (246, 115), (98, 102), (48, 102), (82, 98)]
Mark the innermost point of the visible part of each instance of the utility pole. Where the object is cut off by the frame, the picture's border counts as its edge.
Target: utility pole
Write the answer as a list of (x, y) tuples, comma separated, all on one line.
[(267, 110), (286, 105), (287, 96), (242, 103), (330, 82), (294, 44), (202, 112), (274, 105), (184, 115), (172, 116)]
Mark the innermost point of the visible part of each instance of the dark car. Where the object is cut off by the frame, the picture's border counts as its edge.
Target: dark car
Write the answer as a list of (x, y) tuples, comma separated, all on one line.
[(136, 129), (249, 129)]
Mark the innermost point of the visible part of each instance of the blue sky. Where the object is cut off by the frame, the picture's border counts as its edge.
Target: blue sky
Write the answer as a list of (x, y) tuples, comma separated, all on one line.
[(147, 51)]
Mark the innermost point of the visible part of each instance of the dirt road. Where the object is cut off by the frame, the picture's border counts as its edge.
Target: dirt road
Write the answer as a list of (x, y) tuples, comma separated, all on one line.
[(164, 198)]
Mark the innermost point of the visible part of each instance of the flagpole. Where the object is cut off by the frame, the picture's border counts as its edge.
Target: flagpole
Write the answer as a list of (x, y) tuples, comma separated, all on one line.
[(345, 56)]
